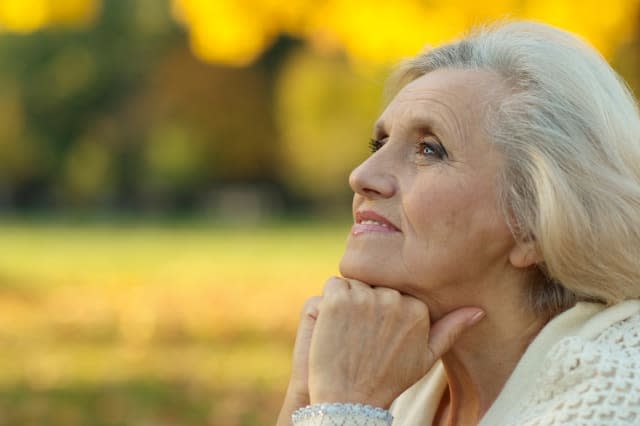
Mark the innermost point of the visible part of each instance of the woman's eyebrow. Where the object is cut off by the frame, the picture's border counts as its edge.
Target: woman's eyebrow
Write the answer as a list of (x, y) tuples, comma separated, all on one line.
[(424, 124), (420, 122)]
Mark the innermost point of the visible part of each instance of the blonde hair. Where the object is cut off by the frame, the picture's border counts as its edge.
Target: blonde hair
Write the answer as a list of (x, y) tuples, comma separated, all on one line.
[(570, 133)]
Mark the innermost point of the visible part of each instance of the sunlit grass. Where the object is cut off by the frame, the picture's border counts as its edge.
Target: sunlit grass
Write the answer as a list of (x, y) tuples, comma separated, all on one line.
[(95, 316)]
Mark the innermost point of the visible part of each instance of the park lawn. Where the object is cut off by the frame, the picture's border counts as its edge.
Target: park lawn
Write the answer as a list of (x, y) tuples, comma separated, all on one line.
[(153, 325)]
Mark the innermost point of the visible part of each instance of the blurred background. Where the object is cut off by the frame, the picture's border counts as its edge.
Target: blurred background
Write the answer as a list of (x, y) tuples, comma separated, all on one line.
[(173, 186)]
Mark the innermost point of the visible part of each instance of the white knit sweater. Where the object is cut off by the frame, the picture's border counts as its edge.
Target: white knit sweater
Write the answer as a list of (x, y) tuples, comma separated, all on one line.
[(583, 368)]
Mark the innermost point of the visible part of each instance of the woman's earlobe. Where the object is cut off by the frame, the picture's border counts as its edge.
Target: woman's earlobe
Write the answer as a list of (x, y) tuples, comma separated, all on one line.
[(525, 254)]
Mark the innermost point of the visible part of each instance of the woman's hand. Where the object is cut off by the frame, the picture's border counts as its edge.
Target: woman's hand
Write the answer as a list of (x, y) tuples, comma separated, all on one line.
[(365, 344), (369, 344)]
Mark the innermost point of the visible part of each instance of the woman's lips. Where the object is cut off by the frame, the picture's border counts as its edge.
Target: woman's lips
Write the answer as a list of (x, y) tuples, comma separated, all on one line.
[(370, 221)]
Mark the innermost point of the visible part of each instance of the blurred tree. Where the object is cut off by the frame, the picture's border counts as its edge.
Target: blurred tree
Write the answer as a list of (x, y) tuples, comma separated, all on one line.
[(122, 115), (236, 32), (25, 16), (68, 122), (88, 173), (103, 104), (218, 120), (325, 112)]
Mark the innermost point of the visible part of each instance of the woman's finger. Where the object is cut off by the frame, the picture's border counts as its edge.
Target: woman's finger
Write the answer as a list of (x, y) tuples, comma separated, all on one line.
[(335, 287), (300, 372), (308, 318), (298, 391)]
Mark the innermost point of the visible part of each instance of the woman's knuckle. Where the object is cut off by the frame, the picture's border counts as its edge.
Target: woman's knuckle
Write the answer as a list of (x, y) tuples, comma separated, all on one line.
[(335, 284), (335, 293), (360, 297), (388, 297), (311, 306), (416, 308)]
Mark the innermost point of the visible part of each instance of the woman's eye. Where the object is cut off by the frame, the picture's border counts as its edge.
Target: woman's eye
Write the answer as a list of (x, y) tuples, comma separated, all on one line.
[(375, 145), (431, 149)]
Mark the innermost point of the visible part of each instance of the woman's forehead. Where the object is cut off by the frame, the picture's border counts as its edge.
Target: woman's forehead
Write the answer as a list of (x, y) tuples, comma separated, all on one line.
[(448, 98)]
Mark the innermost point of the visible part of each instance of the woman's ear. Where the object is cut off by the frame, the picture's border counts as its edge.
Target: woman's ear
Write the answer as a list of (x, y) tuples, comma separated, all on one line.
[(524, 254)]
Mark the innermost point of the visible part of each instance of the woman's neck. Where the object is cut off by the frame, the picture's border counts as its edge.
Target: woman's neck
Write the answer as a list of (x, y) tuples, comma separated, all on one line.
[(481, 361)]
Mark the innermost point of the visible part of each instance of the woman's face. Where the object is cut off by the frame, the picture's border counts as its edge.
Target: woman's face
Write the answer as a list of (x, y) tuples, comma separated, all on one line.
[(426, 215)]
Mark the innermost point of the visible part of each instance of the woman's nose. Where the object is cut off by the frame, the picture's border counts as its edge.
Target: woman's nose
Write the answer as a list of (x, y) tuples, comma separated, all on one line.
[(372, 180)]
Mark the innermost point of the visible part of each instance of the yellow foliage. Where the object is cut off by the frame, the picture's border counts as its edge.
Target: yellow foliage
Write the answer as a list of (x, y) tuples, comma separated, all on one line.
[(224, 31), (604, 26), (24, 16), (382, 31), (71, 12), (232, 33), (236, 32)]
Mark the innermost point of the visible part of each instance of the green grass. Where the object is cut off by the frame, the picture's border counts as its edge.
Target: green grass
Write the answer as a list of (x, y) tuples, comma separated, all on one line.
[(151, 324)]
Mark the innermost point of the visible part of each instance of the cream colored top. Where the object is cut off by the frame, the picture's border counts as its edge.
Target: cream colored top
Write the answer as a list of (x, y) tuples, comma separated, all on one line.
[(583, 368)]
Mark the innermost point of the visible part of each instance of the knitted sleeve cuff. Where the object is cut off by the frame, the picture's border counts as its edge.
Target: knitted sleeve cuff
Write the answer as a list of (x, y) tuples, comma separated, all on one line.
[(334, 414)]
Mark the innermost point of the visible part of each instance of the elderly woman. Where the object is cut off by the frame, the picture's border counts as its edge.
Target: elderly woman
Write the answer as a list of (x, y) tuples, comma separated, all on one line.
[(492, 273)]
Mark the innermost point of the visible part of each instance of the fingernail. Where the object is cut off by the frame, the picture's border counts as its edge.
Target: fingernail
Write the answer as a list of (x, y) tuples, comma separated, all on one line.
[(476, 317)]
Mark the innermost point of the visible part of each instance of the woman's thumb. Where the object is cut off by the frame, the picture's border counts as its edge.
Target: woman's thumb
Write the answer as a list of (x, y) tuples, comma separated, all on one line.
[(448, 329)]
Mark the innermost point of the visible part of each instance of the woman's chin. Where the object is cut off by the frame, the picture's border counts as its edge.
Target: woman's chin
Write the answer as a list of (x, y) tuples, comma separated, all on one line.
[(354, 267), (364, 268)]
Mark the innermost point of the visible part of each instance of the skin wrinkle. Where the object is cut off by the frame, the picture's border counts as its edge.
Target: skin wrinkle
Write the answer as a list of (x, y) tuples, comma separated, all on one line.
[(447, 133), (456, 130)]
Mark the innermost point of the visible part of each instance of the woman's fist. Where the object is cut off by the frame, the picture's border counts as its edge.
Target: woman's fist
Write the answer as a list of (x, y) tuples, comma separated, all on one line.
[(369, 344)]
